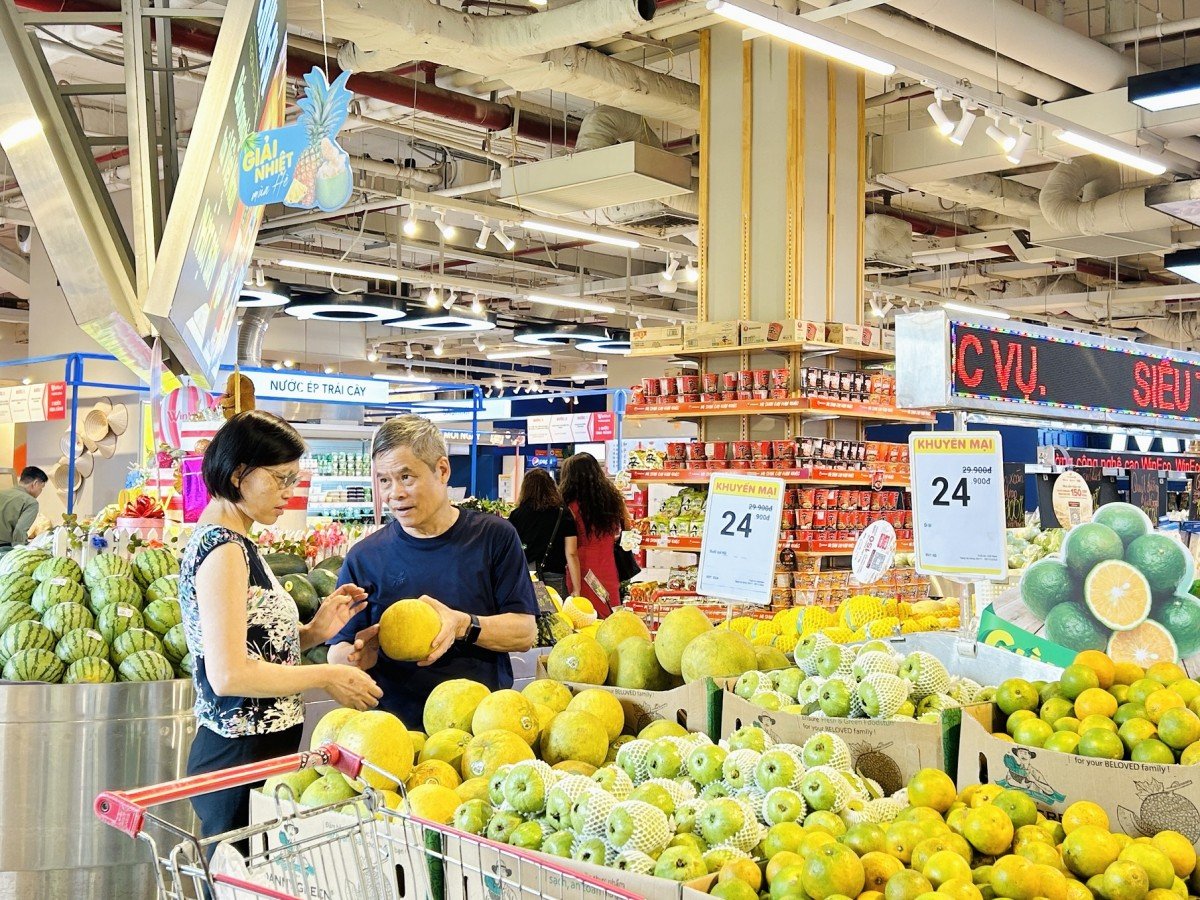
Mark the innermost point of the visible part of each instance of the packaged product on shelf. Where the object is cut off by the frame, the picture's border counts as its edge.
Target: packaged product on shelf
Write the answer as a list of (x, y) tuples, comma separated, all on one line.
[(865, 336), (710, 335), (666, 338)]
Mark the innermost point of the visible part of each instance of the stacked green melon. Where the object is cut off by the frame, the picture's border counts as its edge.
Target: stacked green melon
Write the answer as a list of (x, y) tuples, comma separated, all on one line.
[(114, 619)]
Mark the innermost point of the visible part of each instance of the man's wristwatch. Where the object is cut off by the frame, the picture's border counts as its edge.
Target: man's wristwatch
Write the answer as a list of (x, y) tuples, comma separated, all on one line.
[(472, 633)]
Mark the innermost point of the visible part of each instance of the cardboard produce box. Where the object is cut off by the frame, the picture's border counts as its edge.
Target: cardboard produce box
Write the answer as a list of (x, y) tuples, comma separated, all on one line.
[(695, 706), (788, 331), (666, 338), (711, 335), (865, 336), (889, 752), (1141, 799)]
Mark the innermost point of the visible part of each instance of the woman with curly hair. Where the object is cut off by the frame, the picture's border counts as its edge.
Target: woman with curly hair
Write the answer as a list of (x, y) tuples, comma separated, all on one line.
[(600, 516)]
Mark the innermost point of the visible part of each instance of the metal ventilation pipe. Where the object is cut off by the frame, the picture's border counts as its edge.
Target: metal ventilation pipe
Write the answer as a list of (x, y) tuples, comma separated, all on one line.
[(251, 334), (1063, 206)]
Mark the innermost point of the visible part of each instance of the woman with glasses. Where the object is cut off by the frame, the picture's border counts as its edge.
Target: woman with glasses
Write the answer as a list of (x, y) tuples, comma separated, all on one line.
[(243, 629)]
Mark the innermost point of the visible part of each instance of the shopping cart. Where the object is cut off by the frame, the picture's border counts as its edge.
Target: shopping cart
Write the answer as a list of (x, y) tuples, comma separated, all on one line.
[(361, 850)]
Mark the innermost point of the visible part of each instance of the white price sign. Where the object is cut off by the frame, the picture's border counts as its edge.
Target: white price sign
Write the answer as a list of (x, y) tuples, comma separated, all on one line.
[(958, 504), (873, 552), (741, 538)]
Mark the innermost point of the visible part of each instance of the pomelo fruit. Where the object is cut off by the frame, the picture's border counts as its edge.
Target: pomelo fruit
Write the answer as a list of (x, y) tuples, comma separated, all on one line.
[(578, 658), (331, 788), (432, 802), (508, 710), (381, 739), (769, 658), (290, 787), (620, 625), (634, 664), (605, 707), (433, 771), (407, 629), (577, 735), (447, 745), (717, 654), (327, 730), (677, 630), (452, 704), (490, 750), (551, 693), (472, 789)]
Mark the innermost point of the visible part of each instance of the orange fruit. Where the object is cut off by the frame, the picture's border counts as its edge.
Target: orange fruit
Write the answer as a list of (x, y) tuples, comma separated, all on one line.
[(1101, 744), (989, 830), (878, 868), (1095, 702), (1126, 672), (1102, 722), (741, 870), (1179, 728), (1160, 701), (1147, 645), (1089, 849), (1104, 667), (1178, 850), (960, 889), (1016, 878), (932, 788), (1077, 678), (1166, 671)]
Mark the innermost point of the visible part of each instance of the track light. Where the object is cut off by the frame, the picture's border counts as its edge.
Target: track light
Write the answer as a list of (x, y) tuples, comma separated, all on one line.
[(408, 350), (485, 231), (505, 241), (288, 363), (440, 348), (373, 356), (667, 287), (329, 370), (1003, 140), (690, 273), (944, 124), (498, 382), (479, 345), (959, 136), (450, 300), (448, 231), (410, 224), (1020, 144), (637, 323), (431, 298), (672, 267), (276, 365), (476, 304)]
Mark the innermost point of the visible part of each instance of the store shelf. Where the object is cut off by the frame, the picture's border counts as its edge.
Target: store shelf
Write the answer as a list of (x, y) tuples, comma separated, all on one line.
[(836, 548), (817, 476), (841, 350), (334, 504), (352, 479), (792, 406)]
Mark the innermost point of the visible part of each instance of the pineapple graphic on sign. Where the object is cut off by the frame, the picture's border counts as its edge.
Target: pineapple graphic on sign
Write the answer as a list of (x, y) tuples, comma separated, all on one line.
[(322, 176)]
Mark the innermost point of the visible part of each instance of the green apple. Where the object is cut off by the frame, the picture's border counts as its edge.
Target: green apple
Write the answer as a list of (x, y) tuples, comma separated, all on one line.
[(664, 759), (632, 759), (783, 804), (473, 816), (830, 660), (704, 763), (656, 795), (525, 789), (776, 769), (748, 737), (715, 858), (876, 647), (783, 836), (590, 850), (559, 844), (501, 826), (818, 790), (807, 649), (721, 819), (680, 864), (591, 807), (787, 681), (622, 823), (835, 699), (558, 806), (634, 861), (528, 836)]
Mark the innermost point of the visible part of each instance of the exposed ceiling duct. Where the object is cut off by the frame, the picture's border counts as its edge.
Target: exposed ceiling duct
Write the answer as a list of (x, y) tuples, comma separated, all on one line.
[(607, 125), (1009, 198), (527, 52), (887, 245), (252, 332), (1020, 34)]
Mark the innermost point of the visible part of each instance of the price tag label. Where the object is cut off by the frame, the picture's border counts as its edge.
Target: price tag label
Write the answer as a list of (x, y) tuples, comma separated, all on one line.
[(741, 537), (873, 552), (958, 504)]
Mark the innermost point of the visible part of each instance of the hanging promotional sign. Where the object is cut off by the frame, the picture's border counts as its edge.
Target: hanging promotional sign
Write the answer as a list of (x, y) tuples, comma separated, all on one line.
[(33, 403), (302, 165), (741, 538), (571, 428), (302, 387)]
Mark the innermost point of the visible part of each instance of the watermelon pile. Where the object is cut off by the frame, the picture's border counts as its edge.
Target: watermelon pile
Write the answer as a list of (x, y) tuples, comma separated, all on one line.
[(308, 588), (115, 619)]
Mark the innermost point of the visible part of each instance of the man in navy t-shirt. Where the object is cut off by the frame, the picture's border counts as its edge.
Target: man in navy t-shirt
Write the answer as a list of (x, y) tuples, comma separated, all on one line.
[(467, 565)]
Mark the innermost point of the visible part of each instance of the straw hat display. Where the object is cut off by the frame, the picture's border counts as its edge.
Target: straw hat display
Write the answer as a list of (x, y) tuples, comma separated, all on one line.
[(96, 433), (61, 470)]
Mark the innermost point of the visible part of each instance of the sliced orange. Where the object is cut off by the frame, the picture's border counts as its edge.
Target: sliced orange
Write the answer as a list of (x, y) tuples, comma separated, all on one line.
[(1144, 645), (1117, 594)]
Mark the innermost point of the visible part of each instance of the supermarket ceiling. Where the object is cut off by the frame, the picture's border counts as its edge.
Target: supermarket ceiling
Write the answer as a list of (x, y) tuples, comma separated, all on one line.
[(455, 104)]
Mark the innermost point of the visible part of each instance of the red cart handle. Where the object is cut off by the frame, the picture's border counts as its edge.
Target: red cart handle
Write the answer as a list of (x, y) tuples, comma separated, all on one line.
[(126, 810)]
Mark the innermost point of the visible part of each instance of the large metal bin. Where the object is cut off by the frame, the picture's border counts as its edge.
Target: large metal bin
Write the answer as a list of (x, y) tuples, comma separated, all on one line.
[(60, 745)]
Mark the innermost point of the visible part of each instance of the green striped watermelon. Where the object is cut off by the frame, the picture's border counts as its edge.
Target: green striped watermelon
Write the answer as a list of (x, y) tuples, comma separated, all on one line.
[(175, 646), (57, 590), (331, 564), (58, 567), (162, 588), (162, 615), (82, 642), (115, 589), (113, 621), (285, 564), (146, 665), (132, 641), (34, 665), (186, 669), (64, 617), (12, 612), (90, 670), (150, 565), (302, 592), (28, 635), (323, 582), (22, 560), (106, 565), (15, 586)]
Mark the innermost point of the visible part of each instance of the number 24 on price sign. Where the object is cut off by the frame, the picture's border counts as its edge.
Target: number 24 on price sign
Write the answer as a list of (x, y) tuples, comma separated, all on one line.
[(958, 504), (741, 537)]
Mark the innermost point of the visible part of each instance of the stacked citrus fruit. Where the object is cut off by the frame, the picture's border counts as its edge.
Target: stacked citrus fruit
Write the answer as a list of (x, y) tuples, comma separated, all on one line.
[(1107, 709), (1119, 588), (981, 843)]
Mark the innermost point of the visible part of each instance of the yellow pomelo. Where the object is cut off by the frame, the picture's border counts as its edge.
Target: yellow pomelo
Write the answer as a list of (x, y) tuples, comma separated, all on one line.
[(447, 745), (508, 710), (545, 715), (578, 658), (717, 654), (327, 730), (677, 629), (407, 629), (452, 704), (433, 771), (575, 734), (432, 802), (418, 739), (575, 767), (620, 625), (472, 789), (382, 740), (549, 693), (661, 728), (492, 749), (605, 707)]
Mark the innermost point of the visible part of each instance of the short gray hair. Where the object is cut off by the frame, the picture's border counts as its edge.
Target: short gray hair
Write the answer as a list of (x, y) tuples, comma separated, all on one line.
[(416, 433)]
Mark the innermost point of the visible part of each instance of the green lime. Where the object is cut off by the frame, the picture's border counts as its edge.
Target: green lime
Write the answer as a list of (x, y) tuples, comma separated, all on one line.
[(1047, 583), (1088, 544), (1162, 560), (1101, 743), (1062, 742), (1072, 626), (1127, 711), (1135, 731), (1152, 751), (1127, 520), (1180, 615)]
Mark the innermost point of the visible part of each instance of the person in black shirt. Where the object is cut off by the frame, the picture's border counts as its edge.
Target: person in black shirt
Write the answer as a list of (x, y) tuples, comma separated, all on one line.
[(547, 531)]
